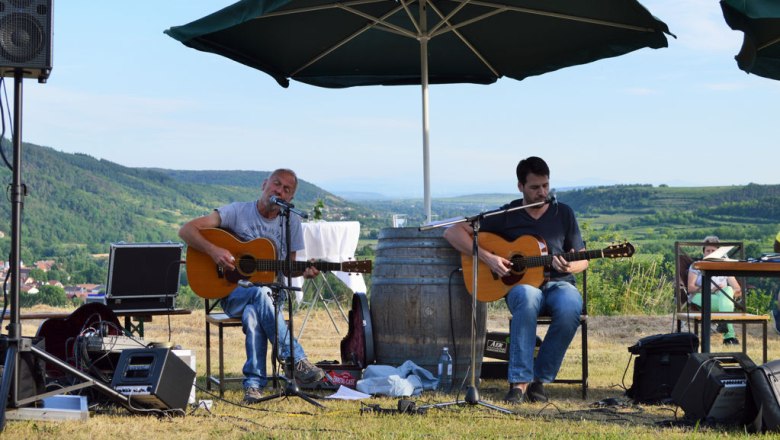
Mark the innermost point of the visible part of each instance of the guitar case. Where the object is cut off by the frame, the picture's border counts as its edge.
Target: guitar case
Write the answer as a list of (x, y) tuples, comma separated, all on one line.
[(60, 334), (357, 347)]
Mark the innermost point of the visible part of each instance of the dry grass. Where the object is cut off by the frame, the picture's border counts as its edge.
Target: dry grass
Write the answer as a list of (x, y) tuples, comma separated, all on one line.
[(568, 417)]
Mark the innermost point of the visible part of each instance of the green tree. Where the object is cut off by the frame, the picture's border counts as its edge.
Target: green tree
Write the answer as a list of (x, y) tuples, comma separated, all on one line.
[(53, 296), (38, 274)]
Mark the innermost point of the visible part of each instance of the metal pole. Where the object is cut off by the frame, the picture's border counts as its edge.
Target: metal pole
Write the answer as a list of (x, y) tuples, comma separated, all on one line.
[(424, 82)]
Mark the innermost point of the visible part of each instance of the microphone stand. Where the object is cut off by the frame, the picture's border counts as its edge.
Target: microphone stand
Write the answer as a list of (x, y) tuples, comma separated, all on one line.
[(291, 389), (472, 392)]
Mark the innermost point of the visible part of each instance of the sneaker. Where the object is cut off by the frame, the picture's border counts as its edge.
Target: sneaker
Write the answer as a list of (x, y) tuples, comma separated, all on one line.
[(514, 396), (305, 372), (253, 394), (535, 393), (722, 327), (731, 341), (776, 320)]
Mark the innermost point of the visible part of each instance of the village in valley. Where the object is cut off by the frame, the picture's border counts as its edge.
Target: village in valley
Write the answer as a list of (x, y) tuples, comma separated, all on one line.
[(28, 284)]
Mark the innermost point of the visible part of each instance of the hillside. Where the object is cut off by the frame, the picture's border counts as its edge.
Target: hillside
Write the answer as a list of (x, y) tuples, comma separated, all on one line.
[(77, 201), (76, 205)]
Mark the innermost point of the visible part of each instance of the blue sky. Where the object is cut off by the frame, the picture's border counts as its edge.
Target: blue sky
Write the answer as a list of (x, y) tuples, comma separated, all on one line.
[(683, 116)]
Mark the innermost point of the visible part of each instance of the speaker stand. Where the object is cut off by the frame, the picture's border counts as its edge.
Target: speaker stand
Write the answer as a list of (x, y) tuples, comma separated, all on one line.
[(9, 386)]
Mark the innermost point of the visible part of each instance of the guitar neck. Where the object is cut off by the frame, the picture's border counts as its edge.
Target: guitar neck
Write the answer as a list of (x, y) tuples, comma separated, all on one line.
[(297, 266), (546, 260)]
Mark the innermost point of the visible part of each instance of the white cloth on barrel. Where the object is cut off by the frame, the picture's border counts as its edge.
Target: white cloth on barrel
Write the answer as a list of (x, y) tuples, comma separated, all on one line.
[(334, 242)]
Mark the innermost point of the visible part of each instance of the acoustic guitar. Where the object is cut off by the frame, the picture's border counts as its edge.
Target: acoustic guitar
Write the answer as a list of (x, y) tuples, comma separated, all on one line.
[(529, 257), (254, 262)]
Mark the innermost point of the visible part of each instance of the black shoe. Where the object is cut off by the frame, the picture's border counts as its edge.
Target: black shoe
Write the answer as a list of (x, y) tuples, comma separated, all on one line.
[(515, 396), (731, 341), (722, 327), (535, 393)]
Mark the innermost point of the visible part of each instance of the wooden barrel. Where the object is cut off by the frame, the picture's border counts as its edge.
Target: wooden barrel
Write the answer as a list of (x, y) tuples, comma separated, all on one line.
[(419, 303)]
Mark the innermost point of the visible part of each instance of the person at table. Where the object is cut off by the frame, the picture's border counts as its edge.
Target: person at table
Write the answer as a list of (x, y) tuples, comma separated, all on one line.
[(724, 291), (248, 221), (558, 297)]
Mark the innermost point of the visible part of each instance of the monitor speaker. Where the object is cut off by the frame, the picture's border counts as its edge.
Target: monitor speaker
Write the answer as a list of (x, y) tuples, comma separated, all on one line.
[(153, 378), (713, 387), (25, 38)]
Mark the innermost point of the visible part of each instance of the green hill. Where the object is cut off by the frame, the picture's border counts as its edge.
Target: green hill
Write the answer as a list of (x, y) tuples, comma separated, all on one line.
[(77, 201), (76, 205)]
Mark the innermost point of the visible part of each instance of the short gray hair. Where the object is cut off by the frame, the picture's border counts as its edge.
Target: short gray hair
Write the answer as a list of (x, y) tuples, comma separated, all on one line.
[(711, 239)]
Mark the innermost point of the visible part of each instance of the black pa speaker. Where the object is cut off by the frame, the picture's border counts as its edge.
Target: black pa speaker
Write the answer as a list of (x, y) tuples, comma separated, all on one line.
[(713, 387), (25, 38), (154, 378)]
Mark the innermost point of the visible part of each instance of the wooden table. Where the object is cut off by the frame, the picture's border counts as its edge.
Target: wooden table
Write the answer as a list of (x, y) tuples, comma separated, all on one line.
[(131, 328), (710, 269)]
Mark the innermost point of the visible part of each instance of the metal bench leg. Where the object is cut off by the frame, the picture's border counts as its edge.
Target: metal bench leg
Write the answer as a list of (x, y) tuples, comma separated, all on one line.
[(208, 356), (584, 330), (744, 338), (221, 361), (763, 324)]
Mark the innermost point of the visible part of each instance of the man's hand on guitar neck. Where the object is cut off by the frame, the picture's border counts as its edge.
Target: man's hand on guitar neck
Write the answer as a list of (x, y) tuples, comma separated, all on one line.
[(561, 265), (311, 271)]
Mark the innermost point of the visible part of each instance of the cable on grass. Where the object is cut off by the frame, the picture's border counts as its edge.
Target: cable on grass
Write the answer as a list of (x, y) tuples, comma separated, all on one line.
[(254, 408)]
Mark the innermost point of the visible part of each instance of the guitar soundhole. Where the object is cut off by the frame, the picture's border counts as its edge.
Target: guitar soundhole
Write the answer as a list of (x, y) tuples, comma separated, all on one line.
[(246, 265), (518, 265)]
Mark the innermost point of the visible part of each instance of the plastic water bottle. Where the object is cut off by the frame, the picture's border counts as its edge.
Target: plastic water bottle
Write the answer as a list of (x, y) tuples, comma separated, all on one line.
[(445, 371)]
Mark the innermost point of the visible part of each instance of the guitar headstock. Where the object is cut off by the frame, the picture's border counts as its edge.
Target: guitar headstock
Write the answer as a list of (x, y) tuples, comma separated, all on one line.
[(619, 250), (361, 266)]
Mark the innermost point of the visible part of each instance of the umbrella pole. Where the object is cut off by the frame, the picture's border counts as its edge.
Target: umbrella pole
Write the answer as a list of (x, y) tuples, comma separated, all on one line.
[(425, 128)]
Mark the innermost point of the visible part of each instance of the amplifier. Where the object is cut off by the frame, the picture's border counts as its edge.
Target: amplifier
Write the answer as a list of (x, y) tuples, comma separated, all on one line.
[(713, 387), (154, 378)]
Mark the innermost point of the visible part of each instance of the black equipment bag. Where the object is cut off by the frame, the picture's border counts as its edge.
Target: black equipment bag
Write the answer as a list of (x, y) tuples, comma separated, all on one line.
[(764, 395), (657, 367)]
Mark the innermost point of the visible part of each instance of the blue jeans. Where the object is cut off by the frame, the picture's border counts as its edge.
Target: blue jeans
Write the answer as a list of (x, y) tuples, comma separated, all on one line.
[(256, 309), (558, 299)]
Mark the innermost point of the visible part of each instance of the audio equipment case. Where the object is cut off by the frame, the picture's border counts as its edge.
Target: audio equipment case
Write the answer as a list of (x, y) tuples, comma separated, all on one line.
[(143, 276)]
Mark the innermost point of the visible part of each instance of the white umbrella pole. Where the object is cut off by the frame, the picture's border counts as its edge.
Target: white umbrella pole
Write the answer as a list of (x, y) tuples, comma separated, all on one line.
[(424, 82)]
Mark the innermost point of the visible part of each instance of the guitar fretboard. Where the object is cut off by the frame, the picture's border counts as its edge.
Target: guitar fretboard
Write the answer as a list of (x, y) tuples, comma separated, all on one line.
[(519, 261), (297, 266)]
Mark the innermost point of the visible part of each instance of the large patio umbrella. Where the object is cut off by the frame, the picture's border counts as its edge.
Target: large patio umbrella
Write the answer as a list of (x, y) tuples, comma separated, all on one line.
[(760, 21), (393, 42)]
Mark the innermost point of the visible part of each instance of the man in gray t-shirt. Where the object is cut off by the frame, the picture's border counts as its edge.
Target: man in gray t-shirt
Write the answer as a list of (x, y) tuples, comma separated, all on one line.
[(249, 221)]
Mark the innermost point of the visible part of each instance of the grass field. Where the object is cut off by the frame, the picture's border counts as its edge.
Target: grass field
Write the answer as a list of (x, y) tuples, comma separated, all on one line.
[(567, 416)]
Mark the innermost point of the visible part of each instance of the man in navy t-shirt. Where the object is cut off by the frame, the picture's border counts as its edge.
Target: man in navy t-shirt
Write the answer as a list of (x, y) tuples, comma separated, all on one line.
[(558, 297)]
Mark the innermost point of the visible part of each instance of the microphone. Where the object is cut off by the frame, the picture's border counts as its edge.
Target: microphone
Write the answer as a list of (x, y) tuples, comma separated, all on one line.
[(277, 201), (551, 198), (245, 283)]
